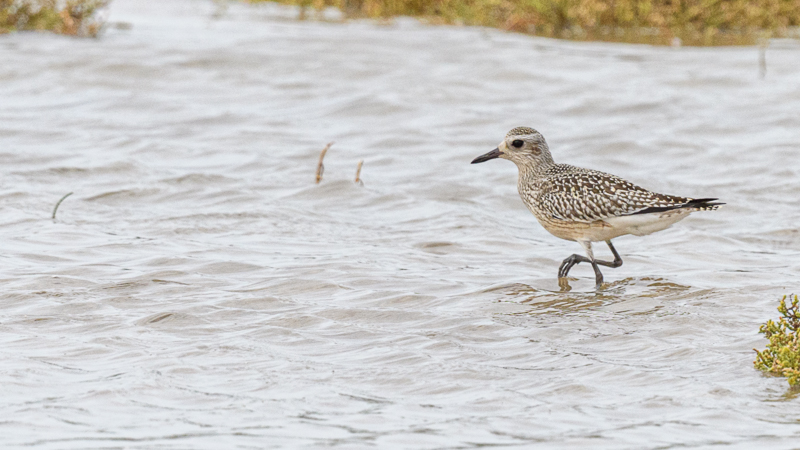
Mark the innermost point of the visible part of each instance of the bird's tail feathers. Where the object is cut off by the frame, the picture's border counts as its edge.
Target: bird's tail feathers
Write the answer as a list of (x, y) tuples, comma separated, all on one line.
[(697, 204)]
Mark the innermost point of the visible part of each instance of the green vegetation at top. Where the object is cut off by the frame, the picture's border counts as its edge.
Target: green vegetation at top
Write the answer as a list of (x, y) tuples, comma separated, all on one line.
[(72, 17), (694, 22), (782, 355)]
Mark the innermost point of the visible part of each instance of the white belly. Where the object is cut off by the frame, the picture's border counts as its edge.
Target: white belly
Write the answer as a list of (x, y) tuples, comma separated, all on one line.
[(642, 224)]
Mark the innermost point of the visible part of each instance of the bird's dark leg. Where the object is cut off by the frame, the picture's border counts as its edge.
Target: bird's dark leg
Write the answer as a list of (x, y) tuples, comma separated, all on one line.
[(568, 263), (617, 259), (598, 277)]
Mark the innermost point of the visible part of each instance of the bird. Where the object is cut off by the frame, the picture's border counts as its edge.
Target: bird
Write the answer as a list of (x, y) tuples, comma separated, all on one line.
[(586, 205)]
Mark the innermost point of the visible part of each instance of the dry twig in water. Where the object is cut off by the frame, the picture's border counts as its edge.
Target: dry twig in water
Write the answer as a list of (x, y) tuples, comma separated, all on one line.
[(762, 58), (358, 173), (320, 167), (59, 204)]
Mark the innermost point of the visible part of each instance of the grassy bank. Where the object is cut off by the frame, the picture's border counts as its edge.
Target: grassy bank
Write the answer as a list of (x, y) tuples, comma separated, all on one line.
[(72, 17), (694, 22)]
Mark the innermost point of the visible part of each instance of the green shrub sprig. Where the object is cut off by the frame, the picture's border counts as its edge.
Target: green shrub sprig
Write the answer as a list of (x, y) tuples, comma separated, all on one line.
[(782, 355)]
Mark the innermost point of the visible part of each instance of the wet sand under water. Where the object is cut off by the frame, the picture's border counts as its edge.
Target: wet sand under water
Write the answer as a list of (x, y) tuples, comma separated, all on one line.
[(198, 290)]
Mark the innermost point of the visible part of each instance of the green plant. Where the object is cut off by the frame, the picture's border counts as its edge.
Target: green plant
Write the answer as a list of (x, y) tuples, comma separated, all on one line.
[(71, 17), (782, 355)]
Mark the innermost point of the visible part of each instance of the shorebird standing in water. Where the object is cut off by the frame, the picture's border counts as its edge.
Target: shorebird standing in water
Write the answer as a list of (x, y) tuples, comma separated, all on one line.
[(586, 205)]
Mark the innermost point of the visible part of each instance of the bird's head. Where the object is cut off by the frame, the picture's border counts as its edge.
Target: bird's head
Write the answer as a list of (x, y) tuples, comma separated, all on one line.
[(524, 146)]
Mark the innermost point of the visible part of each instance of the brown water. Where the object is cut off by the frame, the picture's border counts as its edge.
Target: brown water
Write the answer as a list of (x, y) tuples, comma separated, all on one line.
[(198, 290)]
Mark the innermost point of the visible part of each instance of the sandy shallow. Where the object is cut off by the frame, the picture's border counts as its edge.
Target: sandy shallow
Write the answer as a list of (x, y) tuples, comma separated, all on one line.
[(198, 290)]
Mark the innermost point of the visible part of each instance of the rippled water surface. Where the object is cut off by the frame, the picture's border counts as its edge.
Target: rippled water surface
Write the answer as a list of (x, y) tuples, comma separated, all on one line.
[(198, 290)]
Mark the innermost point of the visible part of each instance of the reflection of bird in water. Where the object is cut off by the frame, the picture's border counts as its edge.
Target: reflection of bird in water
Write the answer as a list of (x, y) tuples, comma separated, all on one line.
[(586, 205)]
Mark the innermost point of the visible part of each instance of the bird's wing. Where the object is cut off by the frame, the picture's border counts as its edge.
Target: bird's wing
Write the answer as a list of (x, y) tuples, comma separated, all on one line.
[(589, 196)]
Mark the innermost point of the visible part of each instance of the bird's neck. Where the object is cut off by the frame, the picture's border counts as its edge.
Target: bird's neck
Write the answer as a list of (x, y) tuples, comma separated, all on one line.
[(531, 170)]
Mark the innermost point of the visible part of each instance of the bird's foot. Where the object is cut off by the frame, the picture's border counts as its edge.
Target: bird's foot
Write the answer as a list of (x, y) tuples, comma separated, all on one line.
[(568, 263)]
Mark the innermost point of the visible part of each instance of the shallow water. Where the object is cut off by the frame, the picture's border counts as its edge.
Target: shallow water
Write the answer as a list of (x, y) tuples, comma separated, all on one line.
[(198, 290)]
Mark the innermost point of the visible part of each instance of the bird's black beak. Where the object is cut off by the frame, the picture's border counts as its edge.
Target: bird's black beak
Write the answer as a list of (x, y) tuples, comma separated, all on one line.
[(485, 157)]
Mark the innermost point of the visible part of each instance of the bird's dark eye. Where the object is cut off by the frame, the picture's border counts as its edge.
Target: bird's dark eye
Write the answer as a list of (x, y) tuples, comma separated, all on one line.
[(517, 143)]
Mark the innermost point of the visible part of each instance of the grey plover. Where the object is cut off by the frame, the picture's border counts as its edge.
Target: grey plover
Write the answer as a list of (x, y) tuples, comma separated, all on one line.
[(586, 205)]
